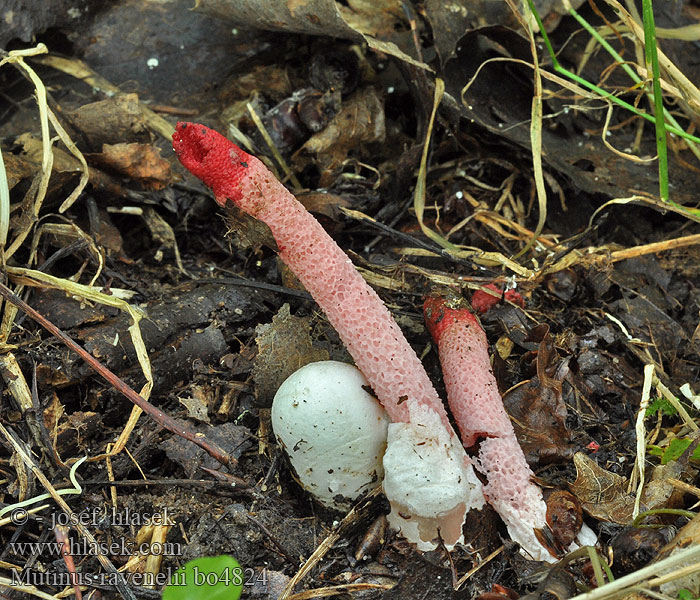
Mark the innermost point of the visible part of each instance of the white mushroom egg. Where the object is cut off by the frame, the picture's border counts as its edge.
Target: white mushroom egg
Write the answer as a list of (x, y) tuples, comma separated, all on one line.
[(333, 431)]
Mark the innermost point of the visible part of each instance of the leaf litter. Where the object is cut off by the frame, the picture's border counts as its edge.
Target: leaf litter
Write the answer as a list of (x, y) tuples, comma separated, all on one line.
[(128, 256)]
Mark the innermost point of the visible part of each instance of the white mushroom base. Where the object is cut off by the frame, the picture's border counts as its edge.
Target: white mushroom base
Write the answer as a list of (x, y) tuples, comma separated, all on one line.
[(429, 481)]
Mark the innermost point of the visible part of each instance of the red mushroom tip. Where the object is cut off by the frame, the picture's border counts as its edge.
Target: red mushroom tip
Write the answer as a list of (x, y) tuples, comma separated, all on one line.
[(482, 301), (211, 157), (441, 312)]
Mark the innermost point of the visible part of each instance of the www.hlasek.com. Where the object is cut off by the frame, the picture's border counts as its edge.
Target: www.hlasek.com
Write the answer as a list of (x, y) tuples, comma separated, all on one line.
[(229, 576), (83, 547)]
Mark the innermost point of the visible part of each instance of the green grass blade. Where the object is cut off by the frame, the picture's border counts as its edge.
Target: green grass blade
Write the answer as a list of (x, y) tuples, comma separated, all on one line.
[(652, 60)]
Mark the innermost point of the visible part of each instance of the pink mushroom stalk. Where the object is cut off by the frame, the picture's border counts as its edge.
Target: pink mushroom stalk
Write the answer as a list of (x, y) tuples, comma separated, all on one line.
[(365, 326), (472, 391), (478, 410)]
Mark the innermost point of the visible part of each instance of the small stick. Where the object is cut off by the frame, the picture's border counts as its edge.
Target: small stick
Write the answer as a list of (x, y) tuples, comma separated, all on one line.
[(61, 533), (118, 384), (653, 248)]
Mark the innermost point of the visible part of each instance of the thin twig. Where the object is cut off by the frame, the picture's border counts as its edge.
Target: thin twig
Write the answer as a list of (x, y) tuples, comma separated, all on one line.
[(623, 584), (121, 585)]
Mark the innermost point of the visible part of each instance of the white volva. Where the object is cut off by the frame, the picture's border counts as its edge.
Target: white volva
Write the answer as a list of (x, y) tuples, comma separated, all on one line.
[(429, 480)]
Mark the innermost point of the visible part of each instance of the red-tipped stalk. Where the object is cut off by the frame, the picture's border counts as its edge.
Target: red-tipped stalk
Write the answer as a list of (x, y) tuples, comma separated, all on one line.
[(477, 406), (472, 391), (367, 329)]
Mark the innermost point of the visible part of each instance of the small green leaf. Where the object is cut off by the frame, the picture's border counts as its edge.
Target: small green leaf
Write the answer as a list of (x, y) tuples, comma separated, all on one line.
[(676, 448), (684, 594), (663, 405), (206, 578), (657, 451)]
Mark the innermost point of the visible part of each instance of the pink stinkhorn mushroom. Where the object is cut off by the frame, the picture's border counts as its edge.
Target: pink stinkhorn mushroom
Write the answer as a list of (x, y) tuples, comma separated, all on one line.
[(476, 404), (429, 479)]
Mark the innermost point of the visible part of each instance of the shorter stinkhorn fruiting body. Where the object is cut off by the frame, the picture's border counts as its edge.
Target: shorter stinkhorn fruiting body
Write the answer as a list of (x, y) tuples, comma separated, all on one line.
[(472, 392), (333, 431), (363, 323), (477, 406)]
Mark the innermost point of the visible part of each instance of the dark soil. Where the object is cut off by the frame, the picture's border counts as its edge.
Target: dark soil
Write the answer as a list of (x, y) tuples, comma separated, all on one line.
[(571, 364)]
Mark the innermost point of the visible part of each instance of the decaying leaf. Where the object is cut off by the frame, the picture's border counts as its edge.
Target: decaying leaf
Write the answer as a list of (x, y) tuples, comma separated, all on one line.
[(378, 18), (323, 203), (315, 17), (138, 161), (111, 121), (283, 347), (248, 233), (160, 230), (659, 492), (197, 404), (69, 431), (602, 493), (107, 235), (17, 168), (234, 439), (537, 408), (53, 413), (360, 121), (65, 166)]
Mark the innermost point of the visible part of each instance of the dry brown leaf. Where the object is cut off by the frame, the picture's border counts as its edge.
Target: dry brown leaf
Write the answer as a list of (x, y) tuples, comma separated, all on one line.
[(69, 431), (602, 493), (17, 168), (139, 161), (53, 413), (537, 408), (111, 121), (65, 166), (323, 203), (283, 347), (197, 404), (660, 492), (378, 18), (107, 235)]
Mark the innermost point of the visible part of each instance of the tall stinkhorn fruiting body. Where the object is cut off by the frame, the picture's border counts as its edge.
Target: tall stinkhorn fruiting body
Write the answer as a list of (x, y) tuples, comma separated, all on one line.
[(429, 479), (477, 406)]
